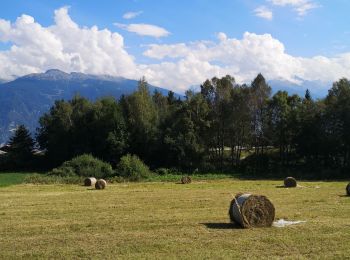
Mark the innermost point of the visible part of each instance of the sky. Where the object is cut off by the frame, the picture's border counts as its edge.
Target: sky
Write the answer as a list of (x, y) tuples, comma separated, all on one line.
[(178, 43)]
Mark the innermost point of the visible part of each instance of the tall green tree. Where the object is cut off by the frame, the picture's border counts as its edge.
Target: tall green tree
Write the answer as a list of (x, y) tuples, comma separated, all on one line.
[(184, 142), (310, 135), (142, 120), (21, 148), (217, 93), (239, 122), (79, 126), (282, 121), (108, 130), (337, 128), (260, 93), (54, 134)]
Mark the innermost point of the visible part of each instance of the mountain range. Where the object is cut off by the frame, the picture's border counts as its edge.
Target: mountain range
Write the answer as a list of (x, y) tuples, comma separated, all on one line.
[(25, 99), (317, 89)]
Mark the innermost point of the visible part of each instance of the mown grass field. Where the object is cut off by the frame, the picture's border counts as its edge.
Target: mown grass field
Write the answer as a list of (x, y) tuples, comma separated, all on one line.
[(166, 220)]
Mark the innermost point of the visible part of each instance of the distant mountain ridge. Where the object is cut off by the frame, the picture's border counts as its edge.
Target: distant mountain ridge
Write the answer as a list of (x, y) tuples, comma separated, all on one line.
[(317, 89), (25, 99)]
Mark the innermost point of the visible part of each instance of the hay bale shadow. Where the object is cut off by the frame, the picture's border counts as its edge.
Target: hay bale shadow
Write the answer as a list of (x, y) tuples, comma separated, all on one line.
[(222, 225), (281, 186)]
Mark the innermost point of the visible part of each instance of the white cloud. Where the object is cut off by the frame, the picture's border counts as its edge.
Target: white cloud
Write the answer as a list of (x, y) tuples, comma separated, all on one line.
[(67, 46), (263, 12), (64, 46), (243, 58), (221, 36), (144, 29), (300, 6), (131, 15)]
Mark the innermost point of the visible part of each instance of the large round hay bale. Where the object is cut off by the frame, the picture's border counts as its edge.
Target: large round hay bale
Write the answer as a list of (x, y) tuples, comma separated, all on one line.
[(290, 182), (90, 181), (100, 184), (348, 189), (186, 180), (252, 211)]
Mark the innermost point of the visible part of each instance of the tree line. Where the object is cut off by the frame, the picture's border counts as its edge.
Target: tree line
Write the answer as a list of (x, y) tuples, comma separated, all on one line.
[(225, 126)]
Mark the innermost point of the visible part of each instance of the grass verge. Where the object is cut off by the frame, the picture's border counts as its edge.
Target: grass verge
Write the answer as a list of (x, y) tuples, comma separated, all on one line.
[(12, 178)]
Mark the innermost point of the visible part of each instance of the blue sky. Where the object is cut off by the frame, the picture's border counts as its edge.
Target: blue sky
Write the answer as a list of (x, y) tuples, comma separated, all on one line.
[(186, 34)]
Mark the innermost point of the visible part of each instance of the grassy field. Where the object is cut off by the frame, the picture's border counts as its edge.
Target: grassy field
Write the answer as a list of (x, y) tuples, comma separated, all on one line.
[(168, 220), (10, 178)]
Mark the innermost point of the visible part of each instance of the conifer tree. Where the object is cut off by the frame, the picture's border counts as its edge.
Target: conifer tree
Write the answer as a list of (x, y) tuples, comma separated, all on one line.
[(21, 147)]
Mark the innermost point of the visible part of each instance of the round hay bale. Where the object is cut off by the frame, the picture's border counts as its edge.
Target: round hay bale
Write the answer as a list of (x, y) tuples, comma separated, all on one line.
[(100, 184), (186, 180), (252, 211), (90, 181), (290, 182), (348, 189)]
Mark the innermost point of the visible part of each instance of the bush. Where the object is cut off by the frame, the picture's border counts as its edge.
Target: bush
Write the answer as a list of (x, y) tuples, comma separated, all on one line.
[(117, 179), (50, 179), (132, 168), (63, 171), (162, 171), (85, 166)]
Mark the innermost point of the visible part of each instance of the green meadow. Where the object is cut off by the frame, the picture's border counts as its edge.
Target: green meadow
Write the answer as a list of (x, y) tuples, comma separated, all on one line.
[(154, 220), (11, 178)]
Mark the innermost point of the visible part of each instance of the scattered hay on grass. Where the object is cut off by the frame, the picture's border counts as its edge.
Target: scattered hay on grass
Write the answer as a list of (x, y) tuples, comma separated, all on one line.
[(290, 182), (186, 180), (90, 181), (100, 184), (252, 211)]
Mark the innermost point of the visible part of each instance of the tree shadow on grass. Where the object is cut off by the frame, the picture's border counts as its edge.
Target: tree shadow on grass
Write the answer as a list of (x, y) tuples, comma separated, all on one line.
[(221, 225)]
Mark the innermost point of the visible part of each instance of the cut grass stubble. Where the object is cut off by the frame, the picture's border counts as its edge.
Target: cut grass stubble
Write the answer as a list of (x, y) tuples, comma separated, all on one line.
[(156, 220)]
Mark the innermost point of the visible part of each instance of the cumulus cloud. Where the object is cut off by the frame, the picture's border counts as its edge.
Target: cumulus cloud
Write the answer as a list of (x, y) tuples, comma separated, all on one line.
[(302, 7), (131, 15), (67, 46), (243, 58), (263, 12), (144, 29), (64, 46)]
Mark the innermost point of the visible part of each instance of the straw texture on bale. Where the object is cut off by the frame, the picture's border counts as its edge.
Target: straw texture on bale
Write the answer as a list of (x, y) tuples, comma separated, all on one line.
[(186, 180), (290, 182), (89, 181), (252, 211), (348, 189), (100, 184)]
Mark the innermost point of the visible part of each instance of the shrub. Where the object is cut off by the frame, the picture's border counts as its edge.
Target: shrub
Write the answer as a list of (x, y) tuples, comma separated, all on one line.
[(132, 168), (162, 171), (117, 179), (85, 166), (50, 179), (63, 171)]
